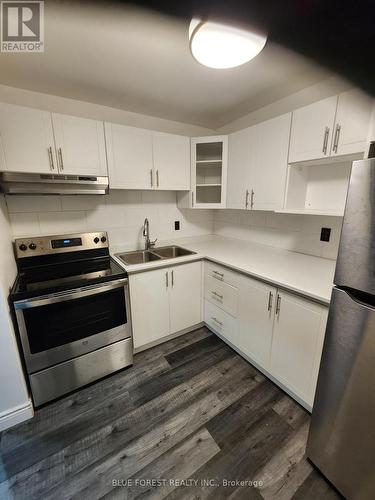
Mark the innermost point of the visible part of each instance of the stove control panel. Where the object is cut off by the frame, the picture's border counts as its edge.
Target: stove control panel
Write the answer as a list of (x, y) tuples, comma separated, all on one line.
[(46, 245)]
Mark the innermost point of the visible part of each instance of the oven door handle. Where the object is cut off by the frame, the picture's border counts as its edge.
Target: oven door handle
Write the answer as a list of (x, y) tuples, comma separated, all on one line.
[(78, 293)]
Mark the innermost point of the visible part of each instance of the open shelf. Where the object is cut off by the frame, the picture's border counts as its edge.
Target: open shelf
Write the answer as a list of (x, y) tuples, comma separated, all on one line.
[(207, 194), (205, 162), (317, 189)]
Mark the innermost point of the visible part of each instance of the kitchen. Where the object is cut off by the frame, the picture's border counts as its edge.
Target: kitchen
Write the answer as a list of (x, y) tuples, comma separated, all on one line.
[(166, 276)]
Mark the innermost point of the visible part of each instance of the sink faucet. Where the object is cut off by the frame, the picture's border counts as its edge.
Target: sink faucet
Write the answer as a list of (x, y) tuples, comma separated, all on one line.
[(146, 234)]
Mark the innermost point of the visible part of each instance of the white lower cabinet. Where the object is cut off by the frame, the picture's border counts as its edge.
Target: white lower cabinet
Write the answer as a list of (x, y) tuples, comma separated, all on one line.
[(282, 333), (165, 301), (298, 336), (256, 317)]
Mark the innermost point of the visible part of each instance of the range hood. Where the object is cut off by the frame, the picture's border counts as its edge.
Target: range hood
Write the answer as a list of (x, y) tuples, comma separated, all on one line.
[(20, 183)]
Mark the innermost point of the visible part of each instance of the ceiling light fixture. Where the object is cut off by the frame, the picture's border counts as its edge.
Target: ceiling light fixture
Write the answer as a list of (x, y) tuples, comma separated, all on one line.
[(220, 46)]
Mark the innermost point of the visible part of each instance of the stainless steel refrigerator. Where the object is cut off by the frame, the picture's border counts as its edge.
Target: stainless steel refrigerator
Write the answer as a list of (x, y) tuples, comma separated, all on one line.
[(342, 433)]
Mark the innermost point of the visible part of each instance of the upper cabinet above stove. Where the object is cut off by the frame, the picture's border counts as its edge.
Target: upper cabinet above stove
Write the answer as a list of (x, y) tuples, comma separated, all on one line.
[(35, 141), (335, 126), (144, 159)]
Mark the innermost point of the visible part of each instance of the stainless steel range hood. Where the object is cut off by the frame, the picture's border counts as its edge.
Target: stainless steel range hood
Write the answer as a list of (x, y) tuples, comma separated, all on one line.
[(20, 183)]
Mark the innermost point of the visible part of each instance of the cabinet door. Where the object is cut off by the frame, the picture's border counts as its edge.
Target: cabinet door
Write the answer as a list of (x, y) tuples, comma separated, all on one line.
[(271, 163), (185, 296), (80, 145), (129, 151), (241, 159), (298, 336), (26, 140), (352, 123), (171, 161), (256, 315), (312, 130), (149, 297)]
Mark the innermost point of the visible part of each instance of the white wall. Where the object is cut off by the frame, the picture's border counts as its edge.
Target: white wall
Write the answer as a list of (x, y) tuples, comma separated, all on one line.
[(14, 400), (121, 213), (314, 93), (299, 233), (21, 97)]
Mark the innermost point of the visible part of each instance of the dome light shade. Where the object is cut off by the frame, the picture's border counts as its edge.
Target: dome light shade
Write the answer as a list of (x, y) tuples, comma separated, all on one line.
[(218, 45)]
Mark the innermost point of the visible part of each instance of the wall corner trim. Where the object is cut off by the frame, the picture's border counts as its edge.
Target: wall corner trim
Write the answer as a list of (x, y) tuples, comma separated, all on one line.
[(16, 415)]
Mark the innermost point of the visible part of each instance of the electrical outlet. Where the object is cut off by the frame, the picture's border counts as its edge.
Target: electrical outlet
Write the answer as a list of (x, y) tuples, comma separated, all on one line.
[(176, 225), (325, 234)]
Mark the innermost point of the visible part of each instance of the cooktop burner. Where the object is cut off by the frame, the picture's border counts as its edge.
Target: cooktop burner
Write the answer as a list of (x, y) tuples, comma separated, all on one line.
[(56, 267)]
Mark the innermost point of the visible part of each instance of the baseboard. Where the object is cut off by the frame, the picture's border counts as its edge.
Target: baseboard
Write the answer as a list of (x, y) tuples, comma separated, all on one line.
[(168, 337), (16, 416)]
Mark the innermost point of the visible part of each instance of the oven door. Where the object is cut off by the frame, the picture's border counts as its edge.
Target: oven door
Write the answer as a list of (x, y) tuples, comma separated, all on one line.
[(64, 325)]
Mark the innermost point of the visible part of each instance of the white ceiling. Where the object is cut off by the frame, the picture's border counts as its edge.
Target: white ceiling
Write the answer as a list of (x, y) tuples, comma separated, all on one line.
[(140, 61)]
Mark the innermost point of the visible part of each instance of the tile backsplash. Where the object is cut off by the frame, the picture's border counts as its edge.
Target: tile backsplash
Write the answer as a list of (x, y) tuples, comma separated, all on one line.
[(121, 213), (299, 233)]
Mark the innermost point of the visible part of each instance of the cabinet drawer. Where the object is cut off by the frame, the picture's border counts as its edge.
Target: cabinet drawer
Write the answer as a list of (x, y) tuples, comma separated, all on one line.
[(221, 322), (221, 273), (221, 294)]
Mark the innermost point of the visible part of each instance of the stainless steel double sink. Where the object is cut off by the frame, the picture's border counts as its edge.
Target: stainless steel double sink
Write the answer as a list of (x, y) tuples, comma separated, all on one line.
[(162, 253)]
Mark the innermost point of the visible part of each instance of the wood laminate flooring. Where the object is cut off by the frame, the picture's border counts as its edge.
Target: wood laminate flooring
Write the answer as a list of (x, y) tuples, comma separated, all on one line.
[(189, 415)]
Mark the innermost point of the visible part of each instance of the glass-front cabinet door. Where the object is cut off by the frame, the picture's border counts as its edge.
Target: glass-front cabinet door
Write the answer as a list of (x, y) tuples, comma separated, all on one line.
[(209, 156)]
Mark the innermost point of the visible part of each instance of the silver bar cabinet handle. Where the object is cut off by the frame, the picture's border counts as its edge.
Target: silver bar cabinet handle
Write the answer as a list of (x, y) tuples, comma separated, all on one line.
[(270, 300), (166, 280), (61, 159), (325, 140), (192, 198), (247, 198), (218, 274), (252, 198), (217, 295), (278, 303), (157, 178), (50, 156), (217, 321), (151, 178), (172, 275), (337, 136)]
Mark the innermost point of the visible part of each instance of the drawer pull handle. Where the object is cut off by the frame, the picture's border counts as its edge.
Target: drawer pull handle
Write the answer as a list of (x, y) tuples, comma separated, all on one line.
[(217, 321), (217, 295), (216, 273), (270, 300)]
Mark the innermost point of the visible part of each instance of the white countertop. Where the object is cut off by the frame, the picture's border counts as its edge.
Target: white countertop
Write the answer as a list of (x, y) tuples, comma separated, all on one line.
[(300, 273)]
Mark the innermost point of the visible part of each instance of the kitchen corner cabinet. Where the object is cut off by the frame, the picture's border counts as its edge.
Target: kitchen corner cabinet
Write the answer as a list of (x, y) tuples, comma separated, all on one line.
[(258, 160), (80, 146), (209, 163), (165, 301), (35, 141), (27, 142), (335, 126), (143, 159)]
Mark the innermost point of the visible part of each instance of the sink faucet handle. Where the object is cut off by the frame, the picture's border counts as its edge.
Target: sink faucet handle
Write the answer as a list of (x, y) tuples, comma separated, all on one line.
[(152, 243)]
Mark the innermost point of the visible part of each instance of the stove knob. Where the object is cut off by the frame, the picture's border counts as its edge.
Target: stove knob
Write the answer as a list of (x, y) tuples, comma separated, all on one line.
[(23, 247), (96, 240), (32, 246), (103, 239)]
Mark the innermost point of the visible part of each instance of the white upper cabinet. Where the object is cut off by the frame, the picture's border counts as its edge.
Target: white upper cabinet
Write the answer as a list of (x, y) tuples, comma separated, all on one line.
[(312, 130), (209, 161), (297, 343), (352, 123), (241, 161), (80, 146), (26, 140), (171, 154), (270, 170), (129, 151)]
